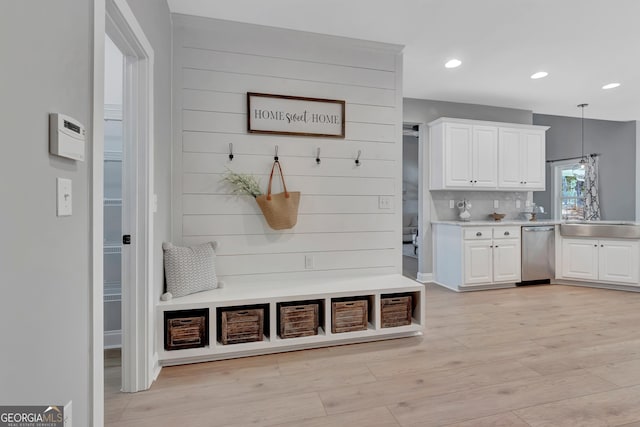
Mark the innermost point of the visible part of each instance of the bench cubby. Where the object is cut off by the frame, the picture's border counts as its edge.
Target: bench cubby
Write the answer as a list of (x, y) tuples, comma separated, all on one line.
[(273, 294)]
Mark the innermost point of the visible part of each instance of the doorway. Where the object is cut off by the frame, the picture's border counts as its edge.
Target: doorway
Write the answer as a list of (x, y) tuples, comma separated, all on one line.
[(410, 199)]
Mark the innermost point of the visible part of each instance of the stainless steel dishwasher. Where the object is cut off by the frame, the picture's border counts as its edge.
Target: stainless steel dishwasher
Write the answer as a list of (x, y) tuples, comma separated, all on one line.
[(538, 254)]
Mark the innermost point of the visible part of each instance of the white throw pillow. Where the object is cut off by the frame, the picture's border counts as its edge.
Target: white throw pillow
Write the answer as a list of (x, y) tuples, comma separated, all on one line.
[(189, 269)]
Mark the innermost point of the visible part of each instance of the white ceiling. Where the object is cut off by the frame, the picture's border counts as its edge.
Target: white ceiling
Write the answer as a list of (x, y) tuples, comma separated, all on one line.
[(583, 44)]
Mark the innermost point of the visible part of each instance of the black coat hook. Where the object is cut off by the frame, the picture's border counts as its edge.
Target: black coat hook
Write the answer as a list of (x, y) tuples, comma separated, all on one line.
[(318, 156), (230, 151), (275, 158), (358, 158)]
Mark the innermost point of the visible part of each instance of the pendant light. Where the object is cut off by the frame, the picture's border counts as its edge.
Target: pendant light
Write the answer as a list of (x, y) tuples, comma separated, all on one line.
[(583, 160)]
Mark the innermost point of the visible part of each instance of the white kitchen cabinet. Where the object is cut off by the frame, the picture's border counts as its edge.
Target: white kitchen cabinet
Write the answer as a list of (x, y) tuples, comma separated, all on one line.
[(506, 260), (618, 261), (604, 260), (470, 155), (468, 258), (478, 262), (580, 259), (465, 154), (521, 159)]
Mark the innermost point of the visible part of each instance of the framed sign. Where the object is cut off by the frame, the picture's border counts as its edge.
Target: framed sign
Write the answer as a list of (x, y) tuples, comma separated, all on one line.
[(295, 115)]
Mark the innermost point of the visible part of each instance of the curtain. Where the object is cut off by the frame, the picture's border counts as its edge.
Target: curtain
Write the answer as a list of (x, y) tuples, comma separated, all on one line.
[(591, 199)]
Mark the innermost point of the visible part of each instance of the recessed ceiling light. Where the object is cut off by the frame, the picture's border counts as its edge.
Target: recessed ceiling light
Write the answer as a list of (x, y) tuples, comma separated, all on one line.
[(611, 86), (453, 63), (539, 75)]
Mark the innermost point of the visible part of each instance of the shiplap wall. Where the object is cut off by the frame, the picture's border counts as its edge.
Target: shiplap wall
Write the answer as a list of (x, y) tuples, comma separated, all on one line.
[(340, 223)]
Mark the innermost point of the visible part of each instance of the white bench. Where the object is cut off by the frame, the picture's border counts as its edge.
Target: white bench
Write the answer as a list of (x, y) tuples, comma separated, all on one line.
[(271, 292)]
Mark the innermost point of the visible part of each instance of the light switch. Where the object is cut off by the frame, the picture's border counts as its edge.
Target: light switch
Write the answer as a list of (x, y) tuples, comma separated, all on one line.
[(64, 199), (451, 204), (517, 203), (496, 204)]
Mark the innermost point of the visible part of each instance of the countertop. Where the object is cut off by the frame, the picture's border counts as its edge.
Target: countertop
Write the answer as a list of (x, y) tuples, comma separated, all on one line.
[(508, 222), (524, 223)]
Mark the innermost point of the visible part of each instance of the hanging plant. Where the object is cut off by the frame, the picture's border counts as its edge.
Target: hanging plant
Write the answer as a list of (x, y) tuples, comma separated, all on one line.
[(243, 184)]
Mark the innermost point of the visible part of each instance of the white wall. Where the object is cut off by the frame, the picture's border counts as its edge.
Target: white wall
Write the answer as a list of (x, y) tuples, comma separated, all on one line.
[(44, 259), (215, 64)]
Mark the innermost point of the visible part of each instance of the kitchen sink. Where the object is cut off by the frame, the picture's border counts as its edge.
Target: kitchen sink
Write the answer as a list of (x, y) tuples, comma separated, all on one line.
[(604, 229)]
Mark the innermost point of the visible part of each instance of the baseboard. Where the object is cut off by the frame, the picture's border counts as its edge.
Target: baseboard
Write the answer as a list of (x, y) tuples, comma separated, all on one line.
[(424, 277), (112, 339), (599, 285), (156, 368)]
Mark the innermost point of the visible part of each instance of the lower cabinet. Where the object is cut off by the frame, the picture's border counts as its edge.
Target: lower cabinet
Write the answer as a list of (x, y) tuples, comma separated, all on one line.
[(476, 257), (491, 261), (615, 261), (491, 255)]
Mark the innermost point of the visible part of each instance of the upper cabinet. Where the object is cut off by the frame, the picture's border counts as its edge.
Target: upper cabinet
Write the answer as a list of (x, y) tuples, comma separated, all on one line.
[(470, 154), (521, 159)]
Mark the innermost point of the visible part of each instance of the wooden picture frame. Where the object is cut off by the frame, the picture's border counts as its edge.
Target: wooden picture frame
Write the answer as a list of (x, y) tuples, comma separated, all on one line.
[(295, 115)]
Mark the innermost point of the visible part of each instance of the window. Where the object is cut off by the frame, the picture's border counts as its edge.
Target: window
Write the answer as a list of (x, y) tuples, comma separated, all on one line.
[(569, 190)]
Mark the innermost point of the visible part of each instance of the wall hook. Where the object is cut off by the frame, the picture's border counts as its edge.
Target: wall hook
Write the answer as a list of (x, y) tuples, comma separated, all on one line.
[(318, 156), (275, 158), (358, 158), (230, 151)]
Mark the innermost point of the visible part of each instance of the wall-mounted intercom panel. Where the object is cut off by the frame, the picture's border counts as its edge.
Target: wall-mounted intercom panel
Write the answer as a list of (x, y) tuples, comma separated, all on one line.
[(66, 137)]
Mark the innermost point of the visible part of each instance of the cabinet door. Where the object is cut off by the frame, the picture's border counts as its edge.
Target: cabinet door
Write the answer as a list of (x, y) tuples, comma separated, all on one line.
[(506, 260), (509, 172), (580, 259), (458, 155), (532, 159), (478, 264), (485, 156), (618, 261)]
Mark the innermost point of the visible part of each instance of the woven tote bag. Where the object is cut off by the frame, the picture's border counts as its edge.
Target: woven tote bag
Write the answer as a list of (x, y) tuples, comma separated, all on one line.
[(281, 209)]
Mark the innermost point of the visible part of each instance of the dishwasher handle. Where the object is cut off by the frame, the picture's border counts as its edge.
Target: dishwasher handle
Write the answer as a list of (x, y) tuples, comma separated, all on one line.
[(539, 228)]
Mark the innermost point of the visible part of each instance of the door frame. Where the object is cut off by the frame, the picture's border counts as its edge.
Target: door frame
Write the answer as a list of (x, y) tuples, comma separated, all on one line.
[(116, 18)]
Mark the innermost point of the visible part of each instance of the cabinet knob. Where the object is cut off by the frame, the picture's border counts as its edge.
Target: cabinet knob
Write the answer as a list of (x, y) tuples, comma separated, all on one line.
[(506, 233), (595, 246), (495, 246), (478, 234), (602, 246)]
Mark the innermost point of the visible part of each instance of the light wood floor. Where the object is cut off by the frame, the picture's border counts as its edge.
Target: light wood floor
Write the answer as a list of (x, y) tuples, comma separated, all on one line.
[(532, 356)]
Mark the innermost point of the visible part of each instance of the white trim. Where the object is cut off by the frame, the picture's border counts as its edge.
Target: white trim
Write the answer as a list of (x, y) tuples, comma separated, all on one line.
[(96, 411), (425, 277), (137, 304), (112, 339), (637, 170), (399, 154)]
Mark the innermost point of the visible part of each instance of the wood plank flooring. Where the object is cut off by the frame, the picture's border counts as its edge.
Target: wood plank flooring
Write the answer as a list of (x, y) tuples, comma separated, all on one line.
[(531, 356)]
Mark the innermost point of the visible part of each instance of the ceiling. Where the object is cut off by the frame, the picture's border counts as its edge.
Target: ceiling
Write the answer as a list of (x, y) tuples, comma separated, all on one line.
[(582, 44)]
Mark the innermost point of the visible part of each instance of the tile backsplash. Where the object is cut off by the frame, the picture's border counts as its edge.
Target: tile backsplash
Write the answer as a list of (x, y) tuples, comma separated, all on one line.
[(481, 204)]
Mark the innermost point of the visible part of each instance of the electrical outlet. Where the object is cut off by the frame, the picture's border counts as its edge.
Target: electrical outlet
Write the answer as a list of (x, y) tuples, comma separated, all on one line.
[(496, 204), (527, 203), (384, 202), (452, 204), (517, 203), (308, 262)]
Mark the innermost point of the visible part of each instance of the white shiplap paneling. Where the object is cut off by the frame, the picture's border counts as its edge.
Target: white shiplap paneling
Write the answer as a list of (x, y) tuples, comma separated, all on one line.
[(340, 222)]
